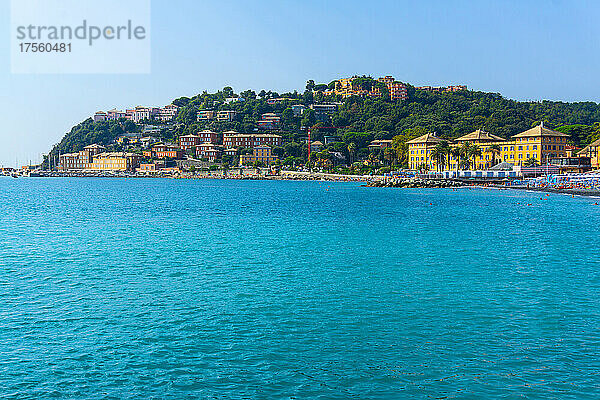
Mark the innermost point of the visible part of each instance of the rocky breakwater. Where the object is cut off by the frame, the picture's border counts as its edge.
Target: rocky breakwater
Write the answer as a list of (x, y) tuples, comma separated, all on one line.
[(415, 183)]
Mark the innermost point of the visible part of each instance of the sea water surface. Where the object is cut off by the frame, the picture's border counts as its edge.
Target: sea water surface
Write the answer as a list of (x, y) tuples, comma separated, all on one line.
[(215, 289)]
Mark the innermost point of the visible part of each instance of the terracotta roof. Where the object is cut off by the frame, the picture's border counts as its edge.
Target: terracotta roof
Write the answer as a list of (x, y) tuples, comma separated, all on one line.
[(480, 135), (588, 149), (115, 154), (595, 143), (260, 135), (426, 138), (540, 130)]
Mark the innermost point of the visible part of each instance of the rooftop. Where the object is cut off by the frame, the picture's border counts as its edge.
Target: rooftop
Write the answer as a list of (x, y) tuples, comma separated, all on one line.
[(252, 135), (117, 154), (426, 138), (480, 135), (540, 130)]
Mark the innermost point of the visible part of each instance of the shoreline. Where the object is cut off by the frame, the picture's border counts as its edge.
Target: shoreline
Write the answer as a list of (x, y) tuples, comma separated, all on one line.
[(573, 192), (284, 175), (373, 181)]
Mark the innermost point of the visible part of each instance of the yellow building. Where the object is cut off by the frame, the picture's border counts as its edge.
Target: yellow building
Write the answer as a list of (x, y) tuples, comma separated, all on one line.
[(419, 151), (591, 151), (344, 87), (539, 143), (263, 154), (115, 162), (490, 146), (347, 87)]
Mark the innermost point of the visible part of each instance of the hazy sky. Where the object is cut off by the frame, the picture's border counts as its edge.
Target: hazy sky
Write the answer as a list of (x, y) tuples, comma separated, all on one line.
[(526, 50)]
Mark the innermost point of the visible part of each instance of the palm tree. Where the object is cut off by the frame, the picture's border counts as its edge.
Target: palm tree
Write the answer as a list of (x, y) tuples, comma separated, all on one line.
[(457, 154), (437, 154), (351, 150), (465, 155), (530, 162), (446, 151), (495, 149), (474, 152)]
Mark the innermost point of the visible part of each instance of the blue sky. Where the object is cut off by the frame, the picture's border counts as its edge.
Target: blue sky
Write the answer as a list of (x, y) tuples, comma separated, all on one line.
[(526, 50)]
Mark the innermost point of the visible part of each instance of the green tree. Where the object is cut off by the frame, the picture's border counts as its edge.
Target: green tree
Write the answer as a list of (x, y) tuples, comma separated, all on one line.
[(531, 162), (309, 118), (310, 85), (495, 149), (474, 152)]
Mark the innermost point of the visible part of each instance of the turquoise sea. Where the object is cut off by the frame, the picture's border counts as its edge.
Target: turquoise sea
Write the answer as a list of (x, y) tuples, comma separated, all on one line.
[(212, 289)]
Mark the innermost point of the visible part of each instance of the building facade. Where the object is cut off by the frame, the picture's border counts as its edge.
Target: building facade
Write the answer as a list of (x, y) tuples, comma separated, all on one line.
[(250, 140), (538, 144), (162, 150), (208, 151), (189, 141), (262, 154), (397, 90), (81, 159), (226, 116), (118, 161), (269, 121), (592, 151), (206, 115), (139, 113)]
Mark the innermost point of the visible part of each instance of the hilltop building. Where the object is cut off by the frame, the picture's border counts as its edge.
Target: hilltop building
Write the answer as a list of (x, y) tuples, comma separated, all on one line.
[(396, 90), (139, 113), (440, 89), (205, 115), (269, 121), (324, 110), (226, 116), (298, 109), (347, 87), (380, 144)]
